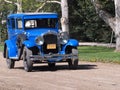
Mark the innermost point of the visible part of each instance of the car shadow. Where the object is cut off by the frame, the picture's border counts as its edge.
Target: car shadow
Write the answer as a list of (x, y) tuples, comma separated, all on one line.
[(61, 67)]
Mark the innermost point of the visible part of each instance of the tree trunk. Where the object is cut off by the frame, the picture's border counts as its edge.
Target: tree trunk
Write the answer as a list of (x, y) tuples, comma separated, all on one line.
[(105, 16), (113, 22), (117, 29), (64, 19), (64, 10), (19, 6)]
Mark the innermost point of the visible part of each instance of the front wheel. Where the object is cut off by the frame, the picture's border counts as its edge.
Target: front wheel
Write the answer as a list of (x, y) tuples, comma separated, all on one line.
[(10, 62), (73, 63), (28, 64)]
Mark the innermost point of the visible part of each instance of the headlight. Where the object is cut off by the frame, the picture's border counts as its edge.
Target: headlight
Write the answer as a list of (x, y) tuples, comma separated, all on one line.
[(39, 40), (63, 38)]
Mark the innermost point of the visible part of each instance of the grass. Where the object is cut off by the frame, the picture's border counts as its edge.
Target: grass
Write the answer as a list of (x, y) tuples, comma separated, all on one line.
[(1, 47), (98, 54), (95, 54)]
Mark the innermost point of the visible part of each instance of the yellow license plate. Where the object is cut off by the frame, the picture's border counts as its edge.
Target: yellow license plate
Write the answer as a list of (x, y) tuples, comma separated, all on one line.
[(51, 46)]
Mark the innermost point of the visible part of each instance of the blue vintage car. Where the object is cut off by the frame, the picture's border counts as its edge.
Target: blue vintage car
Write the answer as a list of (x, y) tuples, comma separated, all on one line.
[(35, 38)]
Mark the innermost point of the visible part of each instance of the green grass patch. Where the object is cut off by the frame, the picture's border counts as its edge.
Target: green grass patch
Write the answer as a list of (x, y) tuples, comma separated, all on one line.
[(95, 54), (98, 54), (1, 47)]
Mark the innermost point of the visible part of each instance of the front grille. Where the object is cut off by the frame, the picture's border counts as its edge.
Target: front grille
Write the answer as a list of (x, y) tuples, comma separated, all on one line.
[(50, 39)]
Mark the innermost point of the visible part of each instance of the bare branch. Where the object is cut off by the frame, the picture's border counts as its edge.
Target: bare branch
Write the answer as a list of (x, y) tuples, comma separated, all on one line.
[(41, 7), (46, 3), (108, 18), (54, 2), (18, 4), (10, 2)]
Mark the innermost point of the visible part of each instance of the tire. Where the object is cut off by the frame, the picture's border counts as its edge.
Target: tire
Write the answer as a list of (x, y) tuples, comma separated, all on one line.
[(28, 64), (10, 62), (73, 63), (70, 64), (51, 65)]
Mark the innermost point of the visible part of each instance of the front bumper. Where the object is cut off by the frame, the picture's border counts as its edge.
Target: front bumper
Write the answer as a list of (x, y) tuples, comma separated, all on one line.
[(53, 57)]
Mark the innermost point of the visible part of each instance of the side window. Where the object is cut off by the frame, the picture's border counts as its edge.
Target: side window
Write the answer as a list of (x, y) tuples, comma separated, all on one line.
[(13, 23), (19, 23)]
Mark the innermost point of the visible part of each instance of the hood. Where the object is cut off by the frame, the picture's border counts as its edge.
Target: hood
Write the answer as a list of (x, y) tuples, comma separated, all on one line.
[(39, 32)]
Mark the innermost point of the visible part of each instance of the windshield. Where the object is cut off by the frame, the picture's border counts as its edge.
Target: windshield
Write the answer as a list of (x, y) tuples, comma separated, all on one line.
[(40, 23)]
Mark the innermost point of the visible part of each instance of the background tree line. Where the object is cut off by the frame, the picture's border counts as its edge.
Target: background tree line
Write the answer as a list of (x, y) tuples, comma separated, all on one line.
[(85, 24)]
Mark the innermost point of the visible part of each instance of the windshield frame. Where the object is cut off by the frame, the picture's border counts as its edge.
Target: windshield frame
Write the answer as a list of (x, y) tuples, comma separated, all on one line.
[(51, 23)]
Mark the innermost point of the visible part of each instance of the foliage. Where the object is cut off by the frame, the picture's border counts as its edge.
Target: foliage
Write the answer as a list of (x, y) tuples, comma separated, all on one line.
[(85, 25), (5, 9), (30, 5), (1, 47), (99, 54), (108, 5)]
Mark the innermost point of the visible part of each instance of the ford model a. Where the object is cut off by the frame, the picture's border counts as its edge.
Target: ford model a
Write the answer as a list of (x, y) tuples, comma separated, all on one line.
[(35, 38)]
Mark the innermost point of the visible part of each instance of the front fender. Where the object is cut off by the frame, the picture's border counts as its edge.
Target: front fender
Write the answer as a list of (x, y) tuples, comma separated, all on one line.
[(28, 44), (72, 43), (11, 47)]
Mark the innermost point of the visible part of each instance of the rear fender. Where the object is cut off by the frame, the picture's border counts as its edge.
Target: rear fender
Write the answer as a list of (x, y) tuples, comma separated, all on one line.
[(11, 47)]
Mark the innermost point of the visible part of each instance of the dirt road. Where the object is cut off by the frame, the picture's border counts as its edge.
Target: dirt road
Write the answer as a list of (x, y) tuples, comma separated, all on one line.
[(88, 76)]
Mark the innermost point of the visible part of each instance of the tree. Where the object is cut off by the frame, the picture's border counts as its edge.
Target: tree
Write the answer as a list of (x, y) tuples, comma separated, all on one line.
[(18, 4), (5, 9), (64, 11), (113, 22), (30, 5), (117, 24), (85, 25)]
